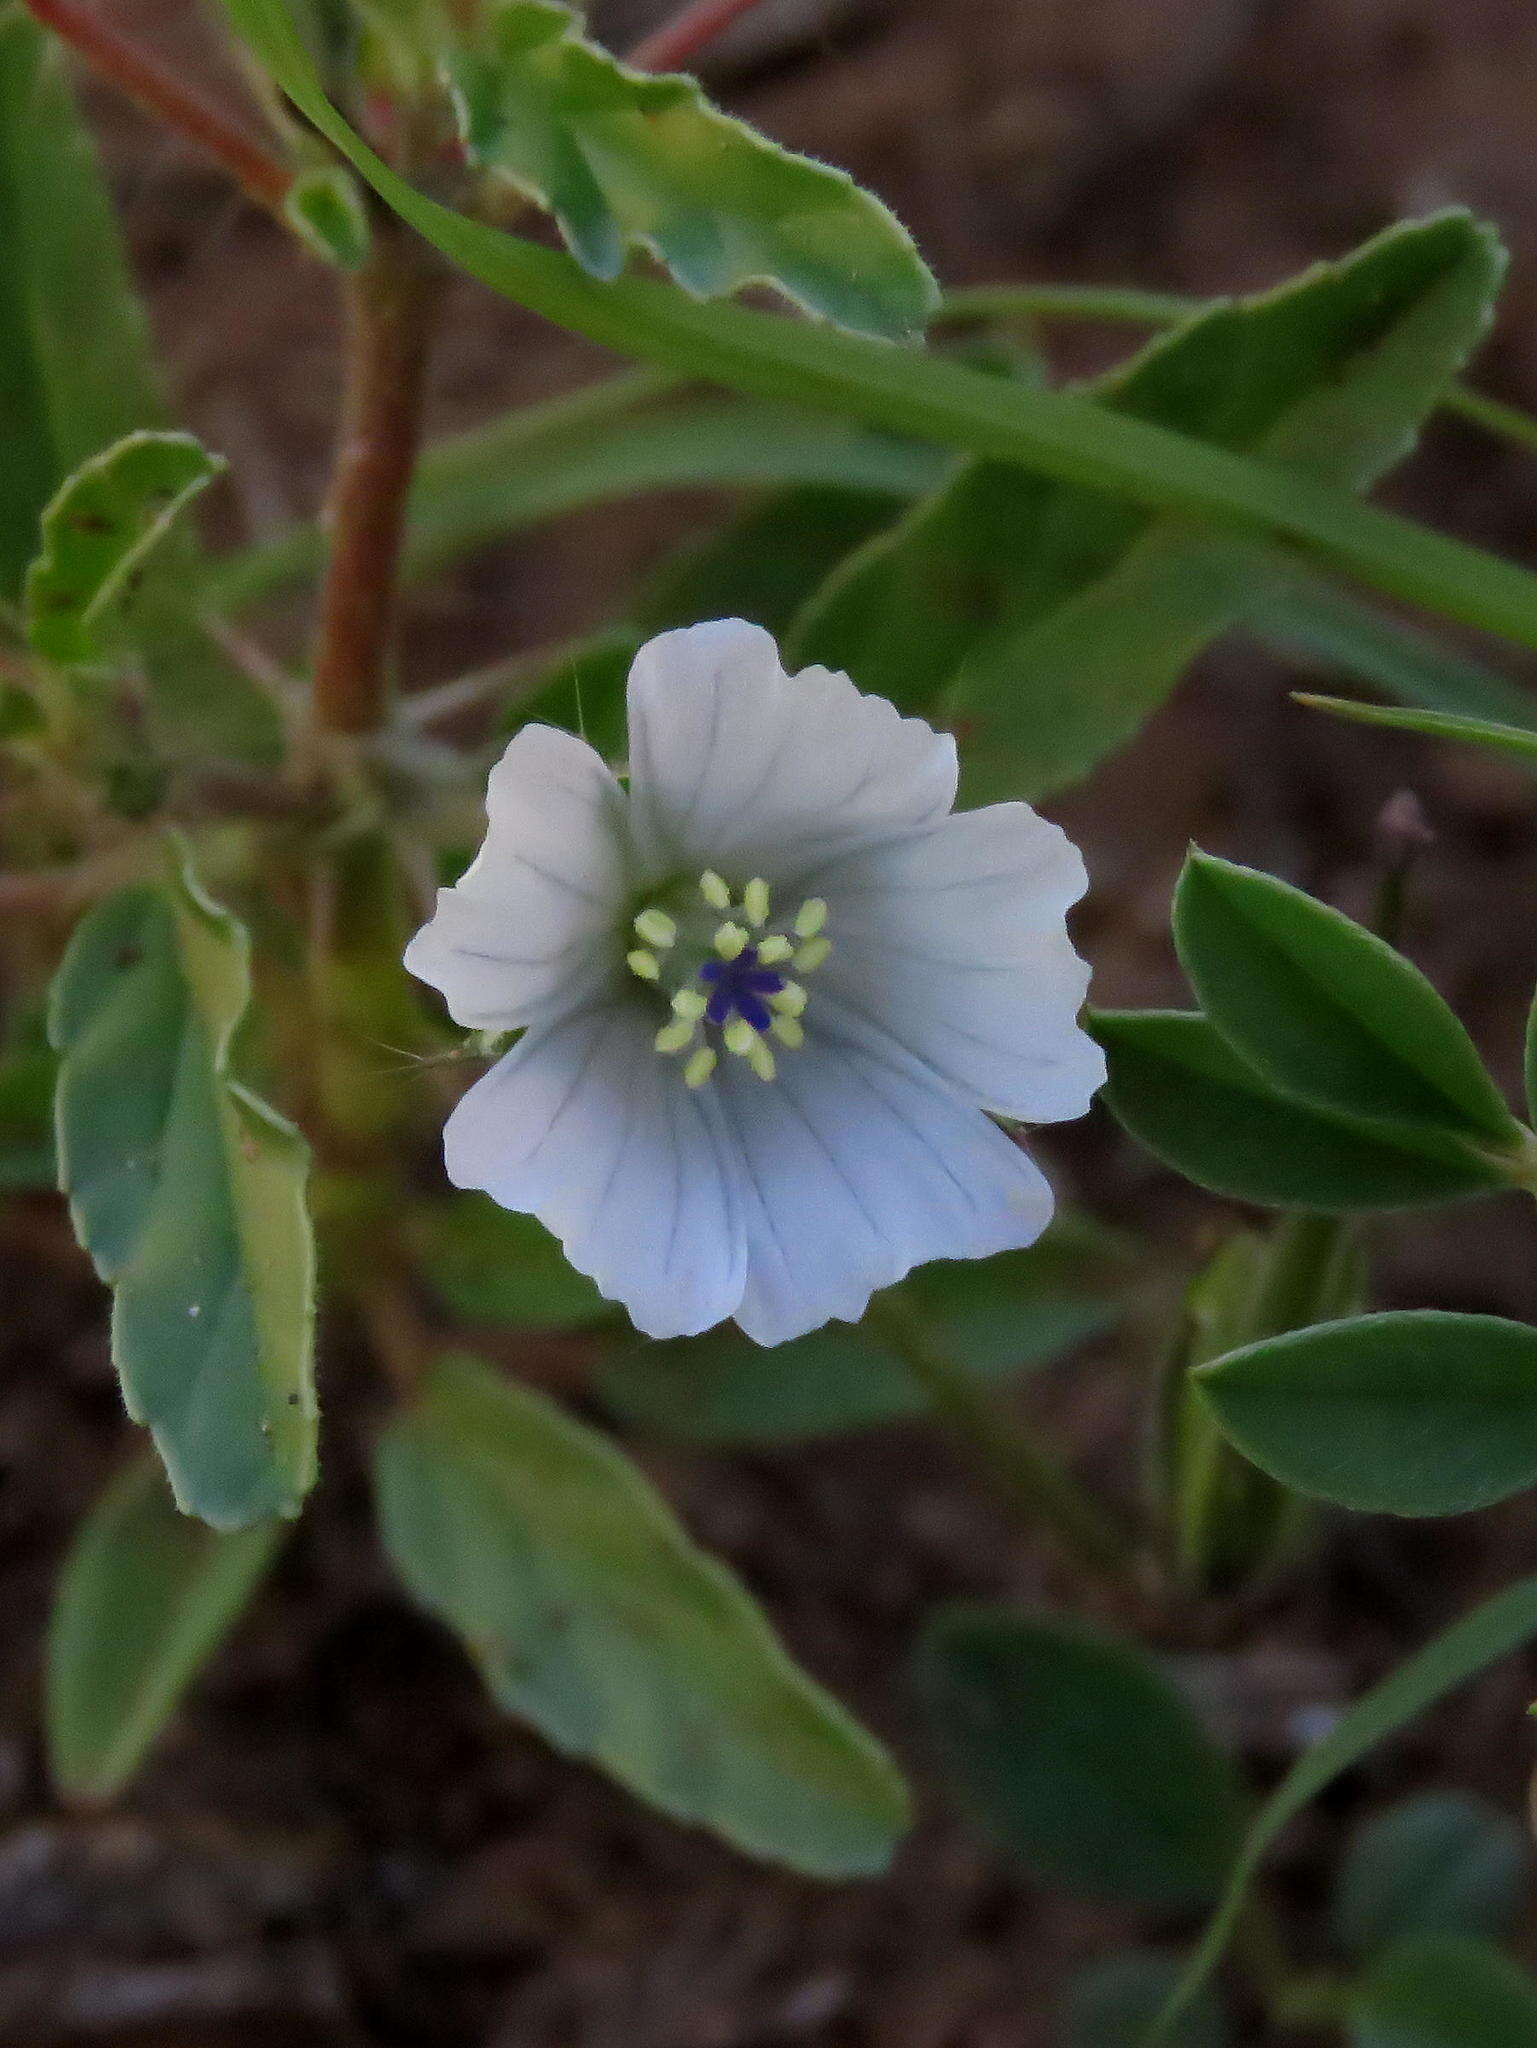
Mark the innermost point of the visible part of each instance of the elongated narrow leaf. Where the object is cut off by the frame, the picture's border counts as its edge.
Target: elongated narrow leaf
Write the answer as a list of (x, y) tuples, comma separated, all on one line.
[(1182, 1091), (1416, 1412), (592, 1615), (98, 533), (624, 159), (189, 1193), (1325, 1010), (1444, 1863), (928, 399), (1076, 1754), (145, 1598), (1443, 1991), (1517, 743), (74, 348), (1494, 1630), (1048, 621)]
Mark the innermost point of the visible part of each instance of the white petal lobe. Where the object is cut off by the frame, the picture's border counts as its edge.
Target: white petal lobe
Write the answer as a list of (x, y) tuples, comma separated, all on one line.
[(586, 1128)]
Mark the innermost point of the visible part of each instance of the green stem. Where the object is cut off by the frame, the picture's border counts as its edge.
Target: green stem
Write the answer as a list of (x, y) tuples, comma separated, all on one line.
[(1027, 1477)]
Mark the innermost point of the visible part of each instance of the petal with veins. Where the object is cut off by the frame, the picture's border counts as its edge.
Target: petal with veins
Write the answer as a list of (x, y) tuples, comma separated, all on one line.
[(530, 925), (582, 1125), (738, 767)]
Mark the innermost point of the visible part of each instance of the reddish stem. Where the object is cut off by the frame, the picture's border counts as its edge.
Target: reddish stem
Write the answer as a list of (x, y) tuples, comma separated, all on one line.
[(677, 42), (112, 56)]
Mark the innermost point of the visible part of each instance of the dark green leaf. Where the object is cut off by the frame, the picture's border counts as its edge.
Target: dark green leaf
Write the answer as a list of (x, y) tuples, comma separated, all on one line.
[(493, 1266), (1113, 2003), (145, 1598), (189, 1193), (1444, 1992), (1046, 621), (1078, 1756), (99, 531), (28, 1072), (624, 159), (591, 1614), (74, 348), (1519, 743), (1416, 1412), (1325, 1010), (1494, 1630), (1444, 1863), (1186, 1095), (1000, 1318), (921, 396), (325, 208)]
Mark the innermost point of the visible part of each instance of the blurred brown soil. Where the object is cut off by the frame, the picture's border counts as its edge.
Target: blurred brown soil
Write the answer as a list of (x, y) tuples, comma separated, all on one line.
[(340, 1842)]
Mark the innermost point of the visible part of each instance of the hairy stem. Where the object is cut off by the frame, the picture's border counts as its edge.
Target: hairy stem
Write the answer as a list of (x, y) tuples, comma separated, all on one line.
[(1027, 1477), (260, 174), (391, 307), (677, 42)]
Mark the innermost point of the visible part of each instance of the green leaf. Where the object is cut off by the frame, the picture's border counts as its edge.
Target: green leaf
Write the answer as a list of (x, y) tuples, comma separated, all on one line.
[(1496, 1629), (492, 1266), (1047, 621), (1415, 1412), (99, 531), (591, 1614), (1113, 2003), (1078, 1756), (145, 1598), (1183, 1092), (922, 396), (1519, 743), (625, 160), (610, 441), (1445, 1992), (1529, 1059), (1443, 1863), (28, 1071), (1001, 1317), (74, 347), (325, 209), (189, 1193), (1325, 1010)]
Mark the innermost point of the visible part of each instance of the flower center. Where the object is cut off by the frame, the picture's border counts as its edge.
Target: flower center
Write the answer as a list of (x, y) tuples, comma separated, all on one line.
[(722, 962)]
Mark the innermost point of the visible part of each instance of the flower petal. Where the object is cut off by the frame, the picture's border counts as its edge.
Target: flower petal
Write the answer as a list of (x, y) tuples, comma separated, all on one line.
[(584, 1125), (736, 766), (534, 921), (955, 941), (857, 1164)]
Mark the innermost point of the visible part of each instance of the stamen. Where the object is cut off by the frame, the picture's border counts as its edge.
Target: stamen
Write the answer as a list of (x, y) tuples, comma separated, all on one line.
[(645, 964), (739, 1037), (675, 1036), (656, 927), (789, 1031), (810, 956), (714, 890), (790, 1001), (810, 918), (689, 1003), (701, 1065), (761, 1060), (730, 940), (755, 901), (774, 948)]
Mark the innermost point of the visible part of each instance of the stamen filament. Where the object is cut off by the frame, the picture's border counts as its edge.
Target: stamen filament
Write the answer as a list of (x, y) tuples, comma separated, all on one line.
[(789, 1031), (701, 1066), (810, 956)]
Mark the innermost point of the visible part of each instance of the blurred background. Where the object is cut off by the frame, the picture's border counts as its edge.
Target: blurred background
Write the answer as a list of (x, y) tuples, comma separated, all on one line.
[(341, 1842)]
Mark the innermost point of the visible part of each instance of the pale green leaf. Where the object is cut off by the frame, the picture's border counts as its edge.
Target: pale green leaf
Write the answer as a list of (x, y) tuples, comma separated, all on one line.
[(325, 209), (189, 1193), (1444, 1991), (145, 1597), (591, 1614), (1517, 743)]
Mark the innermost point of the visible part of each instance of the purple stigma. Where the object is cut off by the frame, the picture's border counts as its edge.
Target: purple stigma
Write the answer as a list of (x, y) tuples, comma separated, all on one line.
[(740, 986)]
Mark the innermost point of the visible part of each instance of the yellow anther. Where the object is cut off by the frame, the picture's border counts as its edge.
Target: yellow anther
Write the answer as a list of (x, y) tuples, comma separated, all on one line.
[(810, 956), (789, 1031), (790, 1001), (645, 964), (774, 948), (675, 1036), (761, 1060), (755, 901), (739, 1037), (688, 1002), (700, 1067), (730, 940), (810, 918), (656, 927), (714, 890)]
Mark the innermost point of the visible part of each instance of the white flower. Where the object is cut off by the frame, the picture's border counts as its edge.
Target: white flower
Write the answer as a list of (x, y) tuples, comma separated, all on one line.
[(771, 996)]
